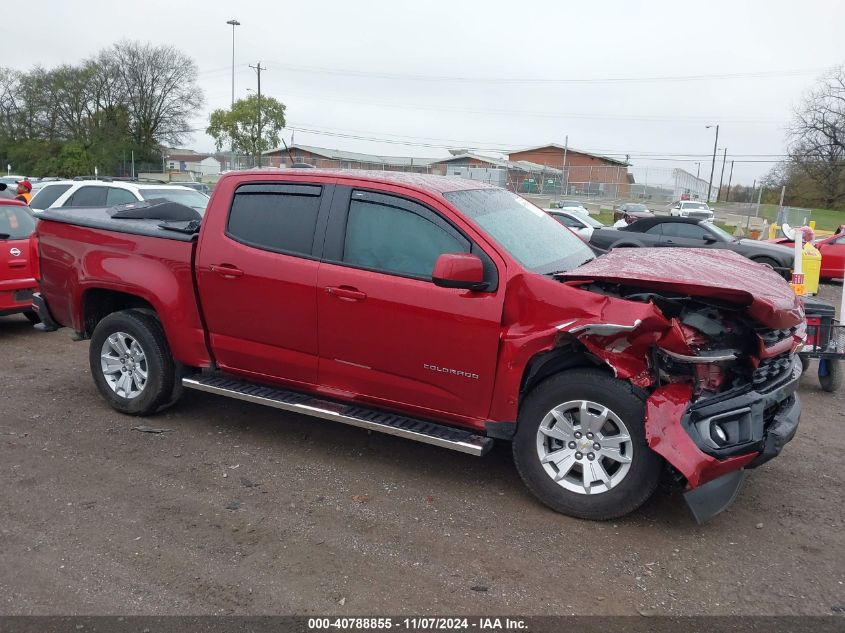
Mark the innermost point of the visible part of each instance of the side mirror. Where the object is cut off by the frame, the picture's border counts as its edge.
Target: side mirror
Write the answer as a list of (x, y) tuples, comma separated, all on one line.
[(459, 270), (709, 239)]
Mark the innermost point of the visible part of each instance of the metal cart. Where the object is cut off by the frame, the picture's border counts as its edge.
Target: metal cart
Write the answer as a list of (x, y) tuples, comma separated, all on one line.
[(826, 342)]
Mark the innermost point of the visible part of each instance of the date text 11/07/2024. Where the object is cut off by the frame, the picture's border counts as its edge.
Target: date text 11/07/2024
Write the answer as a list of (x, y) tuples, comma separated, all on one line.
[(418, 624)]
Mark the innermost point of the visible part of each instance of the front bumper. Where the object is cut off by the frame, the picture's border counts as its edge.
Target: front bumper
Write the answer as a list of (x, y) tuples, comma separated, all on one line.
[(755, 420), (758, 422)]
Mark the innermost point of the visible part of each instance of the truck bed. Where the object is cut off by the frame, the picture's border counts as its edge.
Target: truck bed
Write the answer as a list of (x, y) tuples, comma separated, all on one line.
[(102, 218), (91, 261)]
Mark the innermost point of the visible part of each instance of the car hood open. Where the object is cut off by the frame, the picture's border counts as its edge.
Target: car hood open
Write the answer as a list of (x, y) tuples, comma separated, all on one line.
[(697, 272)]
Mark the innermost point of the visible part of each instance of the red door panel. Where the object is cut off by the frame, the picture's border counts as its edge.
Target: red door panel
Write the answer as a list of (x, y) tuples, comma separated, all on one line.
[(406, 342), (833, 257)]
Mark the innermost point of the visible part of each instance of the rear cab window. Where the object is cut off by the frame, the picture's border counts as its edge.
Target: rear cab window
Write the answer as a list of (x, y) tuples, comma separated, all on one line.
[(15, 222)]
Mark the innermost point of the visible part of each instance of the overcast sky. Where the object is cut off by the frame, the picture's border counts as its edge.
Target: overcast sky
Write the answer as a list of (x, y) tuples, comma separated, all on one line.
[(492, 75)]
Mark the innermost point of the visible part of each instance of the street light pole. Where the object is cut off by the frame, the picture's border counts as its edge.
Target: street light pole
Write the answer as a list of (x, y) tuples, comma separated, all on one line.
[(722, 177), (713, 164), (234, 23)]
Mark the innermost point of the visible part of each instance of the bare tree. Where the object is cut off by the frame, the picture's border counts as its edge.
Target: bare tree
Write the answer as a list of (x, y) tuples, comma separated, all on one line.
[(159, 84), (817, 137)]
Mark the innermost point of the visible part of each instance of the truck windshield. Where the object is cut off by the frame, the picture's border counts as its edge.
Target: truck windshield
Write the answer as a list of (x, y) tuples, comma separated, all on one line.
[(532, 237)]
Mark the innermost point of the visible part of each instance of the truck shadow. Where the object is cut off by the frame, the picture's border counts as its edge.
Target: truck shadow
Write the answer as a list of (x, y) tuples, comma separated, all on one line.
[(379, 458)]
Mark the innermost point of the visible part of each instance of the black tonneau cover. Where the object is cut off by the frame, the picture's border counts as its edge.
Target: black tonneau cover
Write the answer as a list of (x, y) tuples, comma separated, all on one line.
[(169, 220)]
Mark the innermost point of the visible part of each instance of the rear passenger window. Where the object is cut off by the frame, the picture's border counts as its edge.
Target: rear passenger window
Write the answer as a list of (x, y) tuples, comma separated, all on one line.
[(279, 218), (47, 196), (88, 197)]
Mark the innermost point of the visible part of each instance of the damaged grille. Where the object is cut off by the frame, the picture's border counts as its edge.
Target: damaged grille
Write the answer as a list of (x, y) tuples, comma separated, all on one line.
[(773, 337), (771, 368)]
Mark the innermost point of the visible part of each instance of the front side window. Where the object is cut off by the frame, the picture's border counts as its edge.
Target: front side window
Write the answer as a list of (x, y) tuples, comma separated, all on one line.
[(279, 218), (531, 236), (119, 196), (567, 221), (188, 197), (396, 240), (683, 230), (47, 196)]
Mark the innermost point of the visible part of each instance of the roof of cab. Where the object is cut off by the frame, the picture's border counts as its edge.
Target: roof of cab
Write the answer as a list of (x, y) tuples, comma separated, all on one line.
[(429, 183)]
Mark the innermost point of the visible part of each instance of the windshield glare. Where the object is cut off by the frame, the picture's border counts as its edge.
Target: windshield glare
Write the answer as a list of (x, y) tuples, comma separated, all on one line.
[(532, 237), (188, 197)]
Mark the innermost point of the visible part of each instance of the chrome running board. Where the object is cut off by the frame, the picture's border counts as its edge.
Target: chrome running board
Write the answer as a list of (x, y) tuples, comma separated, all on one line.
[(354, 415)]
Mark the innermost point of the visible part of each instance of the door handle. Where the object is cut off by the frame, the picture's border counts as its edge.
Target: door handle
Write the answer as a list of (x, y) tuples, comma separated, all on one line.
[(346, 293), (226, 270), (17, 263)]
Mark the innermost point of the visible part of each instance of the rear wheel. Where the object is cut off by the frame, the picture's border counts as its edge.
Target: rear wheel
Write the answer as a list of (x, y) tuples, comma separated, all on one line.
[(131, 363), (580, 446)]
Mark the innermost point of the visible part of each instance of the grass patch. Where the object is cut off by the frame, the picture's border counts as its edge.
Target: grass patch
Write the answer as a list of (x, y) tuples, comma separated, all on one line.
[(826, 219)]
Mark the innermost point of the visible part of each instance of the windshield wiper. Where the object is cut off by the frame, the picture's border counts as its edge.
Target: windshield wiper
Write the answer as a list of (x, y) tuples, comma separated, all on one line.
[(558, 272), (5, 236)]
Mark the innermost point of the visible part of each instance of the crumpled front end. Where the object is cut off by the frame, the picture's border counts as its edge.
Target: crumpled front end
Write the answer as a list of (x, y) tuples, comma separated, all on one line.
[(722, 384)]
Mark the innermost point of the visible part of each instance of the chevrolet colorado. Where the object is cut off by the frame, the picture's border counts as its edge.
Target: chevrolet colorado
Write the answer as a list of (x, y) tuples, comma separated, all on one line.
[(442, 310)]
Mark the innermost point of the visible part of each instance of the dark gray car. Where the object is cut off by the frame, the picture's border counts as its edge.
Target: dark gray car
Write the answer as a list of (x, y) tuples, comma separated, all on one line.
[(662, 231)]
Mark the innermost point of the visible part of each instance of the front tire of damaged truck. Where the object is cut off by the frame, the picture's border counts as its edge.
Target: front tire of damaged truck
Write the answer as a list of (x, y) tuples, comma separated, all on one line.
[(131, 363), (580, 445)]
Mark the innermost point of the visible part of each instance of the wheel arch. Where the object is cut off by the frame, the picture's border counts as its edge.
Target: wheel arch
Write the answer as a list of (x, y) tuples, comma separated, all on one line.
[(559, 359), (98, 303)]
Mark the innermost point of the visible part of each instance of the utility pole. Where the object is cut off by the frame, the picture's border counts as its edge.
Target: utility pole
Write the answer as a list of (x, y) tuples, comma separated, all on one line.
[(234, 23), (722, 177), (713, 164), (133, 164), (565, 172), (730, 178), (258, 70)]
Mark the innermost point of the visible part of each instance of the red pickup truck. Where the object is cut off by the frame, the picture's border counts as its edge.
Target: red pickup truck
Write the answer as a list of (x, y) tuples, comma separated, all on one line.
[(18, 259), (445, 311)]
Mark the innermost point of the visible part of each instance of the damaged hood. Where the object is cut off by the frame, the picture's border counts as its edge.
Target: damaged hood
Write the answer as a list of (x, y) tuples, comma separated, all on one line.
[(697, 272)]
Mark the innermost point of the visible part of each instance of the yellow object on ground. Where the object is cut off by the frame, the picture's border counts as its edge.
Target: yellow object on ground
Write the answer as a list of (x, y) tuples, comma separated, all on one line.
[(811, 261), (773, 231)]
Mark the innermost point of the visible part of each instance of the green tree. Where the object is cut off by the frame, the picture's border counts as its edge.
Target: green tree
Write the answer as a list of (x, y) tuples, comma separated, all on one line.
[(238, 127)]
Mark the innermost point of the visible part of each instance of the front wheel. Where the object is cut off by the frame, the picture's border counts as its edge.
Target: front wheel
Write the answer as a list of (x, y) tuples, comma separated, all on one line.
[(580, 446), (830, 374), (131, 363)]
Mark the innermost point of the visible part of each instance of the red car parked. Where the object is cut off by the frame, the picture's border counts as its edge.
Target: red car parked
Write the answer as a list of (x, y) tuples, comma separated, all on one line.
[(441, 310), (18, 259), (832, 249)]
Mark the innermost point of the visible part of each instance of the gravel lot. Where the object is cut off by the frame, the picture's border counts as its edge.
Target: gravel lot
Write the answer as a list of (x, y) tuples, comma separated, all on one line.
[(241, 509)]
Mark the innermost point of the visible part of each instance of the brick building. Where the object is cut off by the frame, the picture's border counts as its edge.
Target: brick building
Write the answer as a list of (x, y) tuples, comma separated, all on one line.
[(584, 173)]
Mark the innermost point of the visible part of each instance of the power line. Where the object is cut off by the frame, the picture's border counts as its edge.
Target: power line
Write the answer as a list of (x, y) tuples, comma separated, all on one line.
[(528, 80)]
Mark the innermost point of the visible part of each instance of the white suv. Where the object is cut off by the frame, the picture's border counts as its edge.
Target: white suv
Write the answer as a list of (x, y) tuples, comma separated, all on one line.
[(692, 209), (107, 193)]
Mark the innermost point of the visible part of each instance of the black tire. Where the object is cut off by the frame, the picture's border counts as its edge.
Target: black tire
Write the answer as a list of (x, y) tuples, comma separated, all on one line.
[(160, 387), (32, 317), (832, 381), (626, 402), (805, 364)]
